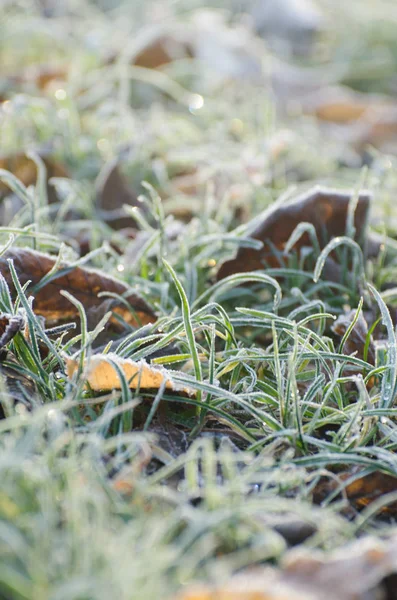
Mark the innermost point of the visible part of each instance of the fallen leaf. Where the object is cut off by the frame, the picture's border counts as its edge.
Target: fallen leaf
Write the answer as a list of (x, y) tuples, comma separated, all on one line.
[(43, 75), (360, 119), (84, 284), (101, 374), (254, 587), (25, 170), (222, 52), (21, 389), (339, 104), (360, 490), (113, 192), (159, 48), (10, 325), (326, 209), (364, 490), (362, 570)]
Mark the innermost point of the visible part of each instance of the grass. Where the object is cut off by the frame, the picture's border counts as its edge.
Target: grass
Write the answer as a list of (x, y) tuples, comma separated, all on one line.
[(135, 494)]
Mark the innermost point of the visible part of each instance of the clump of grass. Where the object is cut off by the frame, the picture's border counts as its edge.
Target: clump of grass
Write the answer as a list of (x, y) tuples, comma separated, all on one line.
[(135, 493)]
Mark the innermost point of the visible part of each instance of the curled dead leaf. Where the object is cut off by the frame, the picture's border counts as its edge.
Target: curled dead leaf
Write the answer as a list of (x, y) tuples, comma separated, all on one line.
[(83, 284), (10, 325), (326, 209), (101, 374)]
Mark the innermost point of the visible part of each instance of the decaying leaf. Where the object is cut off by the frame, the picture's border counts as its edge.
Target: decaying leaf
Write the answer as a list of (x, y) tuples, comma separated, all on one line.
[(253, 586), (365, 118), (83, 284), (339, 104), (362, 570), (161, 47), (360, 490), (21, 389), (44, 75), (113, 192), (326, 209), (355, 343), (25, 170), (101, 374), (228, 51), (40, 76), (10, 325)]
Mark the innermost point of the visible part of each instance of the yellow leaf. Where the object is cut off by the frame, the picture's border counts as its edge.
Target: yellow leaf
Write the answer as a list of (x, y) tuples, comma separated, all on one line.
[(101, 374)]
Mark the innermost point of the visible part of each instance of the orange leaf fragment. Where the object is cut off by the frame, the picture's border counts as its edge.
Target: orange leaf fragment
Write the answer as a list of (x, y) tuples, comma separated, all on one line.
[(101, 374)]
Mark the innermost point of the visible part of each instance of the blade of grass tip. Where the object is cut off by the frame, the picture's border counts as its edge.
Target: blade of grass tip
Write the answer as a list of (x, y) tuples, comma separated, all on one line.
[(353, 203), (298, 232), (294, 391), (188, 325), (390, 377), (40, 193), (238, 279), (330, 247), (126, 398), (368, 338), (351, 326), (30, 313), (16, 186), (211, 378), (22, 192), (7, 245), (279, 377), (84, 329), (155, 405), (5, 296), (54, 269)]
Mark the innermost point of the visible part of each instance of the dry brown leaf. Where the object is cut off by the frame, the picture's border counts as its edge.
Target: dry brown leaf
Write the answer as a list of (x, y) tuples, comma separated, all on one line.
[(338, 104), (162, 48), (362, 570), (113, 192), (326, 209), (83, 284), (361, 491), (368, 119), (40, 75), (21, 389), (10, 325), (229, 52), (25, 170), (101, 374), (264, 584), (44, 75)]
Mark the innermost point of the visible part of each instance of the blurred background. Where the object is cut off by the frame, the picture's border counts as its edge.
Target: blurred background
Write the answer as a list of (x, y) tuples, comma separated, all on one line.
[(241, 98)]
